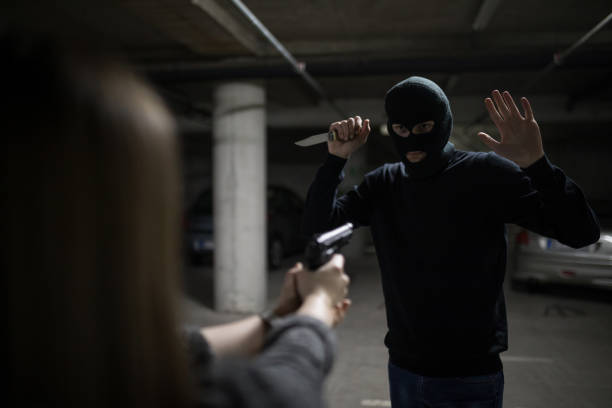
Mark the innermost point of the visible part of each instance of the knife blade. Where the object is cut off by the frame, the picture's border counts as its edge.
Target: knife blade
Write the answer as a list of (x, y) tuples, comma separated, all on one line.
[(316, 139)]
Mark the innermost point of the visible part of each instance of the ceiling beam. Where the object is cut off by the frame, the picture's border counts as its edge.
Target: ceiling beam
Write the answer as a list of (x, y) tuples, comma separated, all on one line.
[(593, 90), (475, 42), (350, 66), (485, 13), (451, 83), (192, 28), (243, 33)]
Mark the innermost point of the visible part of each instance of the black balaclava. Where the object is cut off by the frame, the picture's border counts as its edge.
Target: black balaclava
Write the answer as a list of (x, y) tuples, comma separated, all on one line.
[(415, 100)]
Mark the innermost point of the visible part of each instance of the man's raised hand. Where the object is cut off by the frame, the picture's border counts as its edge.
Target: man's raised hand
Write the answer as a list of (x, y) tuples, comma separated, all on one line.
[(520, 139), (351, 133)]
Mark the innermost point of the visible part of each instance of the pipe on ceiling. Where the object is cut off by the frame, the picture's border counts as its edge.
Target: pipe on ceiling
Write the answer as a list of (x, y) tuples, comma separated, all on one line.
[(298, 68), (559, 59)]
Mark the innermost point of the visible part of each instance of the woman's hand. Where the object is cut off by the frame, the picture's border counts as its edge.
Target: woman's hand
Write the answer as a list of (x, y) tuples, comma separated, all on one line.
[(324, 291), (289, 299)]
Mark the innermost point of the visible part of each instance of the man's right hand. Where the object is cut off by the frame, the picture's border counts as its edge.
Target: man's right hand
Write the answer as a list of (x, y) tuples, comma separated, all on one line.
[(351, 133)]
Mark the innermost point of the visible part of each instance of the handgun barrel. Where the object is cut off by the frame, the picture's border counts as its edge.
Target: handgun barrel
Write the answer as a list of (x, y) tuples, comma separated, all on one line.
[(329, 237)]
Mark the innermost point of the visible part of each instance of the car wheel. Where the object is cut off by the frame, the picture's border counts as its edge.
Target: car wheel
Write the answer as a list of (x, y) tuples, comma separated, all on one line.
[(535, 286), (276, 252), (531, 285)]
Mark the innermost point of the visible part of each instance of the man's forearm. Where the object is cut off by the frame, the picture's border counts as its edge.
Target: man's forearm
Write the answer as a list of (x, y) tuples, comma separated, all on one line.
[(564, 204), (319, 208)]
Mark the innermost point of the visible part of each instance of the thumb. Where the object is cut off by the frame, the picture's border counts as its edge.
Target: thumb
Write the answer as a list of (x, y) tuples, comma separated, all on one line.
[(365, 130), (488, 140)]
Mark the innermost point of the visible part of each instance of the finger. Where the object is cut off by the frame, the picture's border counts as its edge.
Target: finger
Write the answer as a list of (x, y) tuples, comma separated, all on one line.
[(291, 276), (296, 268), (346, 279), (488, 140), (358, 125), (514, 111), (527, 108), (335, 128), (351, 127), (337, 261), (345, 127), (344, 130), (338, 129), (341, 309), (343, 305), (493, 113), (365, 130), (501, 105)]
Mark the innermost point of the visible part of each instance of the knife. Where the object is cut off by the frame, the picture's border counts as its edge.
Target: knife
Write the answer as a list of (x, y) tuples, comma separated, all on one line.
[(316, 139)]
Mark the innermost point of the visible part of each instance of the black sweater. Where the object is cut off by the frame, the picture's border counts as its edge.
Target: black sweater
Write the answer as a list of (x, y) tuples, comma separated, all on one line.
[(441, 247)]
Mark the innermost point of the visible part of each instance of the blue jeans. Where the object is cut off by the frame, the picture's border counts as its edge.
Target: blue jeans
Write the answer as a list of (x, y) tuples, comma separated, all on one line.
[(410, 390)]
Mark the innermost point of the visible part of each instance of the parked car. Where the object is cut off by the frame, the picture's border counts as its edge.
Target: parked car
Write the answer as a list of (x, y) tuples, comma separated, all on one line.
[(284, 216), (540, 260)]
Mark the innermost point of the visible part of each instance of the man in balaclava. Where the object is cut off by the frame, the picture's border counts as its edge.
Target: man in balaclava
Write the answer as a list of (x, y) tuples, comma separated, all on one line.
[(437, 220), (413, 102)]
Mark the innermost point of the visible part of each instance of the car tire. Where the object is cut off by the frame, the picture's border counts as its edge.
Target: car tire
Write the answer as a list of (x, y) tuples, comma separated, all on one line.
[(276, 252), (531, 286), (536, 286)]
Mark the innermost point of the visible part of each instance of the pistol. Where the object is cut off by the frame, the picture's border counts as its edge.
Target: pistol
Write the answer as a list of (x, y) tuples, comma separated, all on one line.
[(322, 246)]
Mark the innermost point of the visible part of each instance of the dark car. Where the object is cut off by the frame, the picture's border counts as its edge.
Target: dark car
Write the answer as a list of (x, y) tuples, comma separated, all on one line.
[(284, 215)]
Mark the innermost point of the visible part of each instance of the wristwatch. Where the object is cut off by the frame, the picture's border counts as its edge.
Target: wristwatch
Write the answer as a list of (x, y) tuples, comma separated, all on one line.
[(267, 316)]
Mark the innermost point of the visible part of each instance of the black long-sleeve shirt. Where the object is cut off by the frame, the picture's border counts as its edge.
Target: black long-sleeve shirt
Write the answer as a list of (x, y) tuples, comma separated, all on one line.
[(441, 247), (289, 372)]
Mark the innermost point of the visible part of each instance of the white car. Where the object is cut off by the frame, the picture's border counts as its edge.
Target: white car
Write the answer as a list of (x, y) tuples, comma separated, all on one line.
[(540, 260)]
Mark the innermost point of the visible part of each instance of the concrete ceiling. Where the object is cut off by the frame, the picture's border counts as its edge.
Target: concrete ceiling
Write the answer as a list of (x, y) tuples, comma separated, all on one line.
[(356, 49)]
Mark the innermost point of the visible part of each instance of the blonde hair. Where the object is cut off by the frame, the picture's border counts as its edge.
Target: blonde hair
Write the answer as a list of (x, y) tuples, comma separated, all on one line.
[(91, 230)]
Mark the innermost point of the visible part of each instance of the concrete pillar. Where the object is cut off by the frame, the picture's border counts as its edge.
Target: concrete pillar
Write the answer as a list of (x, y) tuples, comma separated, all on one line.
[(239, 197)]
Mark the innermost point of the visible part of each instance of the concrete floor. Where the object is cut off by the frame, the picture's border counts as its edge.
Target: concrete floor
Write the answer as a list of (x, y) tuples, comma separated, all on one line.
[(560, 351)]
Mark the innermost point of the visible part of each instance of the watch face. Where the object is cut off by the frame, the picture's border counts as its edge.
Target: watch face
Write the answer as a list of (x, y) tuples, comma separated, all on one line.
[(267, 316)]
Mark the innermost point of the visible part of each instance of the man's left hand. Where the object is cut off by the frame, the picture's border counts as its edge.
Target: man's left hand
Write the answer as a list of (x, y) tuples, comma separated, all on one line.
[(520, 138)]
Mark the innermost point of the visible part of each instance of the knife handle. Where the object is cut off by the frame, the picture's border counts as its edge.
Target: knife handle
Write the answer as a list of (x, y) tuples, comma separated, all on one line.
[(332, 135)]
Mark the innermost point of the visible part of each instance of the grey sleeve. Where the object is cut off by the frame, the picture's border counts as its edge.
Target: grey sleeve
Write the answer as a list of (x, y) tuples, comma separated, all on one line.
[(297, 357), (289, 372)]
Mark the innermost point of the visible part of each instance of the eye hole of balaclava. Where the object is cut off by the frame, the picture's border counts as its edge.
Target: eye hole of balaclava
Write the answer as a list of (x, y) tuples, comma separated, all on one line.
[(418, 129), (412, 103)]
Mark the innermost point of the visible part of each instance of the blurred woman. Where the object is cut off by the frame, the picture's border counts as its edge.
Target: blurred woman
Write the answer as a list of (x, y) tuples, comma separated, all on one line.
[(91, 213)]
